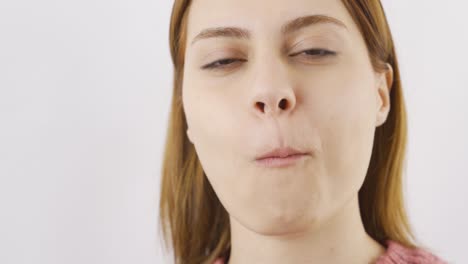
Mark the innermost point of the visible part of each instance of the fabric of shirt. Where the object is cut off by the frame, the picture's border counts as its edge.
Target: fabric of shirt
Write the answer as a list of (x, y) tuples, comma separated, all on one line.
[(396, 253)]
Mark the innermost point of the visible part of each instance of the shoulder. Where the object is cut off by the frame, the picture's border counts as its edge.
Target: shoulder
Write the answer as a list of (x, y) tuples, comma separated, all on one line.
[(396, 253)]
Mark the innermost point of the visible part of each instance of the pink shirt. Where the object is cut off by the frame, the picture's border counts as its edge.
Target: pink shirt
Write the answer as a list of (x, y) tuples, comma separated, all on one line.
[(398, 254)]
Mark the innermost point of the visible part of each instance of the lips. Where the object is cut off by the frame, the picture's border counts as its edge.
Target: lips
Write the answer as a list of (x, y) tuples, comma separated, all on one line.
[(281, 158), (281, 153)]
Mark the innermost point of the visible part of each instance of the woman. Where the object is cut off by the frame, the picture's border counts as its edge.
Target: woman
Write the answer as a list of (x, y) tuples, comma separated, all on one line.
[(287, 135)]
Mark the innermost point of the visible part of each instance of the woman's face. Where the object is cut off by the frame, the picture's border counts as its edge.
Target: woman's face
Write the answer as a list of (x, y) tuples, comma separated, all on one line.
[(267, 92)]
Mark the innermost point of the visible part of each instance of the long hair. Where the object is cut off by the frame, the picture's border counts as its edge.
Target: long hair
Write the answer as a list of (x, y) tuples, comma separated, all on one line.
[(194, 222)]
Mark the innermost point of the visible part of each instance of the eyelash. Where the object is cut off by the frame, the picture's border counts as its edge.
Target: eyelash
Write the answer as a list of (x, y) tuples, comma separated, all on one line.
[(214, 65)]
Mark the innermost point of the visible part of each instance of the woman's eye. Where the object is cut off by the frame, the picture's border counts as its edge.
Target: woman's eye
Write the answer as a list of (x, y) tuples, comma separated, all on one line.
[(315, 53), (228, 62), (223, 63)]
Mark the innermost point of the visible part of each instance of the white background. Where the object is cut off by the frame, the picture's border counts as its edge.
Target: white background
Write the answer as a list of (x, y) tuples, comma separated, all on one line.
[(85, 88)]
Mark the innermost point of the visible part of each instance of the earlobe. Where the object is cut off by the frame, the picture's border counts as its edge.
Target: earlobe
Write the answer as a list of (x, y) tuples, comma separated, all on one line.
[(189, 136)]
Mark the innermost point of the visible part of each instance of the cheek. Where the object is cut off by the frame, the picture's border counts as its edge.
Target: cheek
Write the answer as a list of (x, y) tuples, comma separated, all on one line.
[(213, 130), (347, 130), (210, 121), (216, 115)]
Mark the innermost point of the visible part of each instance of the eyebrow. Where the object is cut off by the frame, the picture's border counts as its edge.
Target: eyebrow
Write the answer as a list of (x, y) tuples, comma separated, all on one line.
[(288, 28)]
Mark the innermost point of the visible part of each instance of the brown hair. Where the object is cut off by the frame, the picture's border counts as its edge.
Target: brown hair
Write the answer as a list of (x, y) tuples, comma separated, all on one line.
[(193, 220)]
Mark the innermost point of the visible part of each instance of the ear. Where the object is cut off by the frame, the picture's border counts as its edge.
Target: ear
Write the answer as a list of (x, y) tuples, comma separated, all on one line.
[(384, 86), (189, 136)]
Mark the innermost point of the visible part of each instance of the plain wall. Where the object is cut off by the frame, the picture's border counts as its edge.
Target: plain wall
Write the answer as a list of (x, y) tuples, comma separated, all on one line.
[(85, 88)]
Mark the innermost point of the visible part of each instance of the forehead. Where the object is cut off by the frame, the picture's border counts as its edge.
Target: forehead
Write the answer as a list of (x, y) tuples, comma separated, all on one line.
[(260, 16)]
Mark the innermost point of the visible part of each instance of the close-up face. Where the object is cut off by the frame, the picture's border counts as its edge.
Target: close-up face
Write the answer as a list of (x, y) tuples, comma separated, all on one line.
[(273, 81)]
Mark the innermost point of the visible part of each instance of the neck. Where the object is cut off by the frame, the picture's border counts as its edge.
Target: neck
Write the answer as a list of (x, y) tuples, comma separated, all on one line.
[(340, 239)]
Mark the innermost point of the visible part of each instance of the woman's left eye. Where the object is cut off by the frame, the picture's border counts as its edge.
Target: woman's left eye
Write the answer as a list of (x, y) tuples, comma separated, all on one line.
[(315, 53)]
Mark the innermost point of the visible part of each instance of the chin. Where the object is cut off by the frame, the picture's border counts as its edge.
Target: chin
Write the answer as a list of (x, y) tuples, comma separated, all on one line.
[(282, 224)]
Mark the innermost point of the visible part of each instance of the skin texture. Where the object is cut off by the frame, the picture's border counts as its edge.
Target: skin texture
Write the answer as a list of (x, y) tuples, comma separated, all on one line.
[(308, 212)]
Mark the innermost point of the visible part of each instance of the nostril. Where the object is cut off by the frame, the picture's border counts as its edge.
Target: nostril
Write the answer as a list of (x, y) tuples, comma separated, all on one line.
[(261, 106), (283, 104)]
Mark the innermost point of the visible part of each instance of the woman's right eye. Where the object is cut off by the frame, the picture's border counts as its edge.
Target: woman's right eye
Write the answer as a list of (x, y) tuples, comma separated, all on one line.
[(223, 63)]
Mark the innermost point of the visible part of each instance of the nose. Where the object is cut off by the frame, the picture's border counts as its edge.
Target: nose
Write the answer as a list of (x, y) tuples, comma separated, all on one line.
[(273, 93)]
